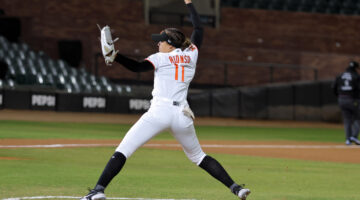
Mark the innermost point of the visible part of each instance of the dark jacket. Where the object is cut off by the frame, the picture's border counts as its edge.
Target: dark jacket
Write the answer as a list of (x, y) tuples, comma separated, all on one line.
[(347, 83)]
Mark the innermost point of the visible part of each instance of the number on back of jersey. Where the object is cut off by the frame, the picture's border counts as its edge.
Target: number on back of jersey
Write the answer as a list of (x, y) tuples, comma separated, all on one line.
[(346, 80)]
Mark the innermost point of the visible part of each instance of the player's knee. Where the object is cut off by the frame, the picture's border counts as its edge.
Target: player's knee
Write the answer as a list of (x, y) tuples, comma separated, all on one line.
[(123, 152), (197, 158)]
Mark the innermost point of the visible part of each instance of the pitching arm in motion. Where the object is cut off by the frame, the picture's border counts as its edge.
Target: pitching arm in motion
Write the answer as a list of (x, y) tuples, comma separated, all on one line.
[(197, 35), (110, 54), (133, 65)]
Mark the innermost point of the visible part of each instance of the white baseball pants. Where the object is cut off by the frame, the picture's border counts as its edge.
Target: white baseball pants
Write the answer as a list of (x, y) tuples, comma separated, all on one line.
[(163, 115)]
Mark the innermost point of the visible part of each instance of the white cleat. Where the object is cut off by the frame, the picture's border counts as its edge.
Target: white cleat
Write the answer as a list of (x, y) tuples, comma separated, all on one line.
[(243, 193), (348, 142), (94, 195), (355, 140)]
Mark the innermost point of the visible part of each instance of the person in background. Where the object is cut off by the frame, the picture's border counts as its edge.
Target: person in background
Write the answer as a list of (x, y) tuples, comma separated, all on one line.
[(347, 89)]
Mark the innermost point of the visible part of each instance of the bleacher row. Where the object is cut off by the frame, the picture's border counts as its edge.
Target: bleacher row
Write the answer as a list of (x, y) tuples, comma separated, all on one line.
[(347, 7), (27, 67)]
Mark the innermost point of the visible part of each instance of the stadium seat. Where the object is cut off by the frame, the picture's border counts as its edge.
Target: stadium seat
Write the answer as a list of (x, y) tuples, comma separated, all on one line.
[(4, 46), (2, 54), (334, 7), (307, 6), (53, 71), (72, 79), (3, 40), (42, 70), (60, 82), (24, 47), (128, 89), (76, 88), (67, 88), (31, 79), (11, 73), (117, 89), (277, 4), (30, 63), (49, 80), (103, 80), (233, 3), (30, 67), (40, 79), (247, 4), (291, 5), (109, 88), (31, 75), (20, 76), (86, 88), (72, 71), (97, 89), (91, 79), (10, 83), (50, 63), (82, 80), (21, 54), (11, 53), (263, 4), (31, 55), (349, 7), (320, 8)]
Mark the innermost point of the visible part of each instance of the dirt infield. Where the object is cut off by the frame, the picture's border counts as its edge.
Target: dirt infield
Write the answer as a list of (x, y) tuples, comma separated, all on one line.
[(330, 152)]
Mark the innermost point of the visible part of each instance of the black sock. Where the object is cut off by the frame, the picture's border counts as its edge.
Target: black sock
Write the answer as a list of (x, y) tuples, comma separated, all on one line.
[(112, 168), (215, 169), (235, 188)]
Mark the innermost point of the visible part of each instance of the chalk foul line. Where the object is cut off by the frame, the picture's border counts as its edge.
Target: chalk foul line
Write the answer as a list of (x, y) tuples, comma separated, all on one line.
[(219, 146), (71, 197)]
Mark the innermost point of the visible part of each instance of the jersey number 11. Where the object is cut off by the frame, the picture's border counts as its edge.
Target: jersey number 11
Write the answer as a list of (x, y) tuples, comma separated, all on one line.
[(177, 72)]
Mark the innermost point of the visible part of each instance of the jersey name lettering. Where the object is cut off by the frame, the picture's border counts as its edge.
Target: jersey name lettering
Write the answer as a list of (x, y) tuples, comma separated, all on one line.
[(176, 60), (179, 59)]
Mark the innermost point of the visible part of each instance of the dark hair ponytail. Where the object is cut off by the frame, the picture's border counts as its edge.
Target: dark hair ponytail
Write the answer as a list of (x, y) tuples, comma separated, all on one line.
[(186, 43), (177, 38)]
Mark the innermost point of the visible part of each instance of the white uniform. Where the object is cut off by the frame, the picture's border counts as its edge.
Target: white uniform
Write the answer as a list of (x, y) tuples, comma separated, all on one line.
[(173, 74)]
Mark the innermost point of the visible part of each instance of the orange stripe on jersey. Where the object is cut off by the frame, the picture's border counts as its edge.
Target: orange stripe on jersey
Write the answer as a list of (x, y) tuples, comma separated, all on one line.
[(183, 73), (193, 47), (176, 71)]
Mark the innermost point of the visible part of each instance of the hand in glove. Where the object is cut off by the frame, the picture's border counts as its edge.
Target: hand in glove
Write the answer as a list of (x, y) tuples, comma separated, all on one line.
[(107, 45)]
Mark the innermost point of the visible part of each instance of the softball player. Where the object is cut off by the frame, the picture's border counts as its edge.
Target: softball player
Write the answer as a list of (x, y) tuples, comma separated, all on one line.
[(347, 88), (174, 67)]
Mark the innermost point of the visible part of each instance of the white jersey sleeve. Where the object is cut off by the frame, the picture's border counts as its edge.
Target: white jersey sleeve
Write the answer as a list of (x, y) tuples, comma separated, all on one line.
[(156, 59)]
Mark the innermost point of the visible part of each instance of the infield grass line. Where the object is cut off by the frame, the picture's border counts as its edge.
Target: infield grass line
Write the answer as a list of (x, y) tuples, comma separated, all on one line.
[(71, 197), (256, 146)]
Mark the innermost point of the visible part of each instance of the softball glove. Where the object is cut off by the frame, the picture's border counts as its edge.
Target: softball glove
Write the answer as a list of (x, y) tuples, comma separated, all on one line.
[(107, 45)]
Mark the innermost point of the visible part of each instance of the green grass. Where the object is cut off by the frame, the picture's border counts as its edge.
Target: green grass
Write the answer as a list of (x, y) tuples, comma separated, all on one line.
[(169, 174), (42, 130)]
